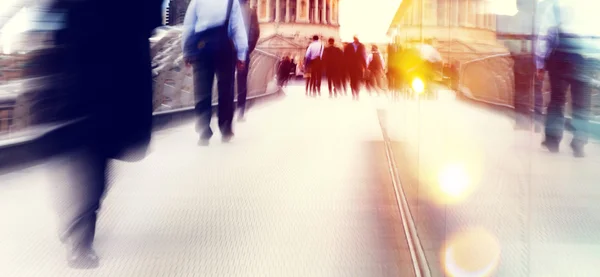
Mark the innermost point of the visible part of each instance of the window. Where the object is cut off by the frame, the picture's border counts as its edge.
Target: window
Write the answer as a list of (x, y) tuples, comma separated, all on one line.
[(454, 12), (472, 13), (480, 15), (462, 12), (442, 12), (416, 20), (430, 15)]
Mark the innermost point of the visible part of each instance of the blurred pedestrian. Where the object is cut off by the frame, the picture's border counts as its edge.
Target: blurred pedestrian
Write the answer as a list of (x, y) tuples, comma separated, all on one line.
[(314, 56), (356, 62), (253, 33), (214, 37), (104, 82), (568, 49), (376, 68), (333, 58)]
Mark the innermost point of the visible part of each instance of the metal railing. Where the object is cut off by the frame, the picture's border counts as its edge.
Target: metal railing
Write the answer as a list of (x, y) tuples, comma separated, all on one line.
[(488, 79), (491, 80), (173, 87)]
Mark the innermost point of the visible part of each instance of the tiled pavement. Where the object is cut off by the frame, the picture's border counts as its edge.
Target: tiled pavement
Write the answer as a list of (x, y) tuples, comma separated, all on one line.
[(301, 191), (538, 213)]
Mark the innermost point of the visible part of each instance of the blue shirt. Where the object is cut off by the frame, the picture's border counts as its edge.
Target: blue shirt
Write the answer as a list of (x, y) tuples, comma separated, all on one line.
[(204, 14), (574, 21)]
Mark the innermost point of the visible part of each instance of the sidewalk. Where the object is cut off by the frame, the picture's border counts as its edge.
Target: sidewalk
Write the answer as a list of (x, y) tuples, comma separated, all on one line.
[(476, 184), (301, 191)]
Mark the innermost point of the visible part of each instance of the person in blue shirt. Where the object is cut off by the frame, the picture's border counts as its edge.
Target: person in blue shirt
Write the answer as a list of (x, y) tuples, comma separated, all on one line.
[(568, 48), (209, 16)]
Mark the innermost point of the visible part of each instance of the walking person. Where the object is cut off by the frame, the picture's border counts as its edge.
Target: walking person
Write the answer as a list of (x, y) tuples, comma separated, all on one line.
[(283, 72), (568, 49), (99, 127), (333, 57), (375, 65), (214, 37), (314, 56), (356, 63), (253, 33)]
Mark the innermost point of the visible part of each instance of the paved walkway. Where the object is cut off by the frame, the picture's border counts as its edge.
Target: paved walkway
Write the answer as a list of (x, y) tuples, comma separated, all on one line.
[(301, 191), (487, 198)]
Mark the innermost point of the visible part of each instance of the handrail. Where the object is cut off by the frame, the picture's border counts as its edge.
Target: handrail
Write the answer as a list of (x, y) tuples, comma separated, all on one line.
[(474, 94)]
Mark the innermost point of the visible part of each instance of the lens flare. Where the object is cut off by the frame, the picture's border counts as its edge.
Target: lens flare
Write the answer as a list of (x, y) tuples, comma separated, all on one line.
[(454, 180), (475, 253), (418, 86)]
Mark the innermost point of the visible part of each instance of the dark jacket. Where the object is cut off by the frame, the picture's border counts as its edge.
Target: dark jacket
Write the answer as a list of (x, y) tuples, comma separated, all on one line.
[(105, 76), (355, 59), (333, 58)]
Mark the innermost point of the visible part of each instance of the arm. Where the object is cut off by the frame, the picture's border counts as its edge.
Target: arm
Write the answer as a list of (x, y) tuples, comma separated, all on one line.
[(307, 51), (189, 23), (238, 31)]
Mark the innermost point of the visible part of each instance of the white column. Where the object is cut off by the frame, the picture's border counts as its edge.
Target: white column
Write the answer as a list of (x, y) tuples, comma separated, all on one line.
[(277, 10), (268, 10), (316, 12), (324, 12), (287, 10), (330, 15)]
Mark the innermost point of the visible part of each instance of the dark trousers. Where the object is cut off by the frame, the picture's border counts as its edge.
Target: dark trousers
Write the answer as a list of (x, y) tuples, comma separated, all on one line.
[(316, 75), (80, 188), (223, 65), (334, 82), (242, 86), (356, 78), (566, 70)]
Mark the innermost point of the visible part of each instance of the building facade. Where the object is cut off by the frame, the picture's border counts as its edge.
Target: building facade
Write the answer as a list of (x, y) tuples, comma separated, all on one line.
[(468, 22), (465, 34), (286, 26)]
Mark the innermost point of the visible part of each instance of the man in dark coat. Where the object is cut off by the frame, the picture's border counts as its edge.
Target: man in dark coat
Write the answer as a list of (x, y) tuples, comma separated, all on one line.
[(106, 96), (333, 57), (356, 62), (253, 29)]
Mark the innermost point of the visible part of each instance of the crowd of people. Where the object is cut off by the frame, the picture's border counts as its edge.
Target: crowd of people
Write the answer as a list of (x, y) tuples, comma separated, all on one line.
[(345, 67), (352, 66)]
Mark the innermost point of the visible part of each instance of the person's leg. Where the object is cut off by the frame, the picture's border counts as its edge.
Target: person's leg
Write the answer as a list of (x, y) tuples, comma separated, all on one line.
[(225, 78), (308, 81), (555, 120), (330, 83), (242, 88), (204, 73), (80, 189), (318, 76), (581, 106)]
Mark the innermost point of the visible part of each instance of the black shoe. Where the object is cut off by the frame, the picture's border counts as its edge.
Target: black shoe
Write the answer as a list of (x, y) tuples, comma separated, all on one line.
[(577, 150), (227, 137), (552, 146), (205, 138), (83, 258)]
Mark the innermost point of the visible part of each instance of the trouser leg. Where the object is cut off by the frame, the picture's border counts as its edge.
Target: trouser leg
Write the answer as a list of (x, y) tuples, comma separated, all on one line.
[(225, 70), (242, 87), (81, 188), (204, 74)]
